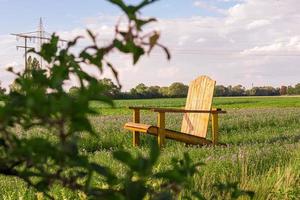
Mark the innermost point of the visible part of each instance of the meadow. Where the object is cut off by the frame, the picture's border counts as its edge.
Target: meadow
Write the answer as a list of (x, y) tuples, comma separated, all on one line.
[(263, 153)]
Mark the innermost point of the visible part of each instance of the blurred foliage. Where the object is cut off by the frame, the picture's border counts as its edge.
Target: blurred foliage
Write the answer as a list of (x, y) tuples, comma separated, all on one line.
[(232, 191), (2, 91), (32, 63), (41, 100)]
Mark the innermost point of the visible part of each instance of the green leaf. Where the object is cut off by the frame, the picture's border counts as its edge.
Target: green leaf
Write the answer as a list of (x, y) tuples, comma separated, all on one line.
[(198, 195), (130, 47), (119, 3), (2, 142), (144, 3), (164, 196), (171, 175), (73, 42), (99, 169), (80, 123), (154, 153), (140, 23), (42, 185), (138, 52), (166, 51), (92, 36), (125, 158), (119, 45), (135, 190), (153, 40), (49, 50)]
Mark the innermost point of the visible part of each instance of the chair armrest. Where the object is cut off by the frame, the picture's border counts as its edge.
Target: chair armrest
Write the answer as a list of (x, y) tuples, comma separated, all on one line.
[(141, 108), (173, 110)]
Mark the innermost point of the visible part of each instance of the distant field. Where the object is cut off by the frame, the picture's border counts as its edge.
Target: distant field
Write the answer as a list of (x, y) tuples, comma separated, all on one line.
[(219, 102), (263, 134)]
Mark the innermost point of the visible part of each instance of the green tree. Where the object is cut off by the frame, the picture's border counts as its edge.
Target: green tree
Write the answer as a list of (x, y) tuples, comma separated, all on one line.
[(133, 93), (297, 89), (141, 88), (220, 91), (178, 90), (153, 92), (264, 91), (238, 90), (291, 90), (164, 91), (111, 89), (140, 91)]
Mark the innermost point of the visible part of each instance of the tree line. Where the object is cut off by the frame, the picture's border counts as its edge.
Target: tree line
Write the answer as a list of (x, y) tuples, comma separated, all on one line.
[(177, 89)]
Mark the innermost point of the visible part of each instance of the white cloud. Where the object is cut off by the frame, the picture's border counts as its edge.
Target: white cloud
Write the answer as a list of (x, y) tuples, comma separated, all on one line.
[(167, 72), (289, 47), (258, 24), (9, 57), (182, 40), (255, 42), (200, 40)]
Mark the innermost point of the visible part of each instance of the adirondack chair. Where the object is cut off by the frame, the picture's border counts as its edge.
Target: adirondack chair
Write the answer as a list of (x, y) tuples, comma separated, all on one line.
[(197, 112)]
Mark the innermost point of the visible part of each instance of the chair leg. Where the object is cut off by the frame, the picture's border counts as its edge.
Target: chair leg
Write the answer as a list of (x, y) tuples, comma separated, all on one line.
[(161, 129), (136, 134), (215, 128)]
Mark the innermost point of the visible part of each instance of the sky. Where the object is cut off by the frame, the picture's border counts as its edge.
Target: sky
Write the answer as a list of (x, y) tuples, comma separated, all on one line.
[(248, 42)]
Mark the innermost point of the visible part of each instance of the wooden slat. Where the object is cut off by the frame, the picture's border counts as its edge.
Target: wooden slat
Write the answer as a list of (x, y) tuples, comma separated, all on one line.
[(169, 134), (199, 97), (187, 111), (141, 107), (137, 127), (219, 110), (186, 138)]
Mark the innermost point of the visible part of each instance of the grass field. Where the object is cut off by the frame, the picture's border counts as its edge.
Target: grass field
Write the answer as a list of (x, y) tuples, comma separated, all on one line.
[(263, 134)]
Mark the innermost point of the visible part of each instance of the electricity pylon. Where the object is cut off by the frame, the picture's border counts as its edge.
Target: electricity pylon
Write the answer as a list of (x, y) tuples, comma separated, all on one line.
[(40, 36)]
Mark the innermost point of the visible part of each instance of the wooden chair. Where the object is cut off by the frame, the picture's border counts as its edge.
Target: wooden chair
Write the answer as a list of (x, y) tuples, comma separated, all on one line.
[(195, 121)]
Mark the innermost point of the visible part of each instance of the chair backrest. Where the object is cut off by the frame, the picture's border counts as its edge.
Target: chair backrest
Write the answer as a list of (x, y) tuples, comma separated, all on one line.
[(200, 96)]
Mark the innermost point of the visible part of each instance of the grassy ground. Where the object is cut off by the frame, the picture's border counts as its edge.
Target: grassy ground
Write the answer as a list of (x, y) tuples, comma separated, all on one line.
[(263, 134)]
